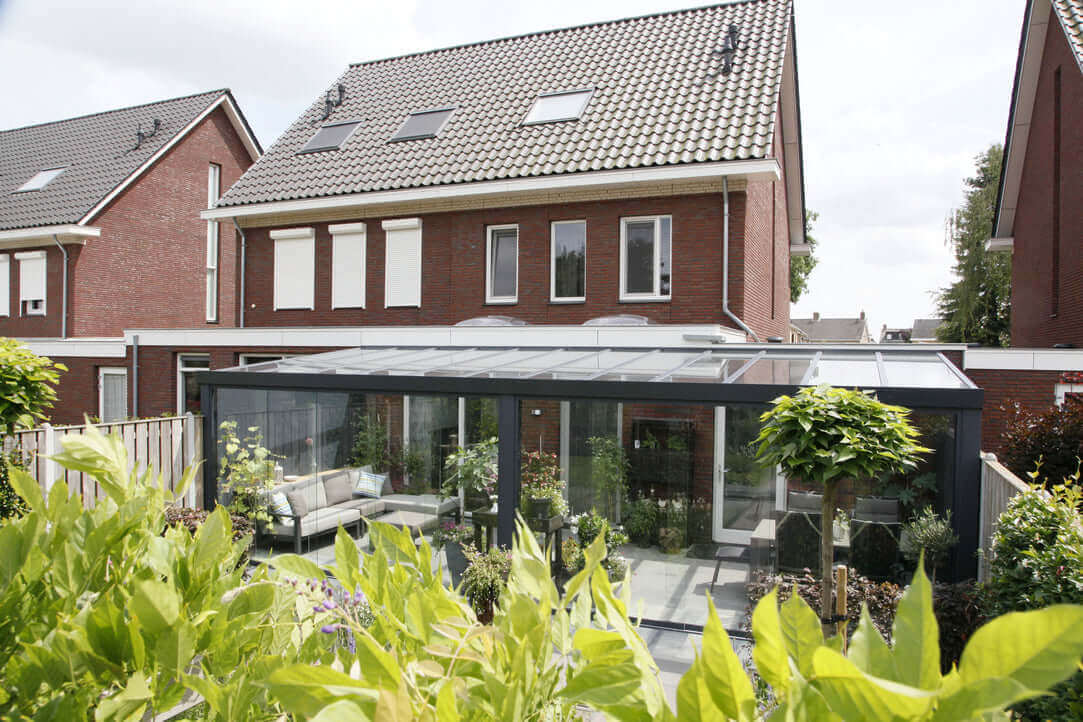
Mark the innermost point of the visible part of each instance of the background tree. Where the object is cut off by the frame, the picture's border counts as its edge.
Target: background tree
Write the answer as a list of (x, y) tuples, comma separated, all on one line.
[(801, 266), (823, 435), (976, 308)]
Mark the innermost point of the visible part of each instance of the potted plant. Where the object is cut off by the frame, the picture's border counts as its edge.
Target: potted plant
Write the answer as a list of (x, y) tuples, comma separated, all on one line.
[(641, 521), (472, 470), (543, 489), (410, 464), (484, 579), (609, 472), (672, 524), (454, 539), (370, 444), (246, 473), (932, 533)]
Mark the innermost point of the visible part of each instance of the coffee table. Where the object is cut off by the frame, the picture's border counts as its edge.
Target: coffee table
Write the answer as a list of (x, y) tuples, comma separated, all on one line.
[(416, 522)]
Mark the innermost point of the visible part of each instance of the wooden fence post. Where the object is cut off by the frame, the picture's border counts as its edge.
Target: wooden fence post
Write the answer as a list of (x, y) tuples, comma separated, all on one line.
[(190, 453), (840, 603), (52, 469)]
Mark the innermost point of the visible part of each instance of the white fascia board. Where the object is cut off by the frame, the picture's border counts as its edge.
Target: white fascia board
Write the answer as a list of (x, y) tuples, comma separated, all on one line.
[(44, 235), (767, 169), (241, 127), (72, 348), (791, 144), (1011, 359), (800, 249), (1026, 88), (231, 111), (1000, 244)]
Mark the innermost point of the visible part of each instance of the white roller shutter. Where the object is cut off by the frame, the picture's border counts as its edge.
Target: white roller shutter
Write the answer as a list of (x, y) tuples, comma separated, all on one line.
[(348, 265), (5, 285), (112, 394), (295, 268), (402, 275)]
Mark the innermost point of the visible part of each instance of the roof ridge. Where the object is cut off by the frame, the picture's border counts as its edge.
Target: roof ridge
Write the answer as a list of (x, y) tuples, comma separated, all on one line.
[(538, 33), (216, 92)]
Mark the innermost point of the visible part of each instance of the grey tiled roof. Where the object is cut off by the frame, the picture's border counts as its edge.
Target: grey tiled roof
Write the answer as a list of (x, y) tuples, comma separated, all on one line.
[(1071, 18), (97, 152), (832, 329), (659, 100), (926, 327)]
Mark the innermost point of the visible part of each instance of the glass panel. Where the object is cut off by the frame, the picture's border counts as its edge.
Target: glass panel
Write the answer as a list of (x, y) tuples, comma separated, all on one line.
[(639, 257), (846, 372), (422, 125), (749, 486), (433, 434), (569, 259), (593, 439), (504, 262), (665, 253), (774, 371), (562, 106), (921, 374), (330, 137)]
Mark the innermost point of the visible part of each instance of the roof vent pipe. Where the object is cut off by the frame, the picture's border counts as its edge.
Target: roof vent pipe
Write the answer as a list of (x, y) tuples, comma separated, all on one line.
[(726, 262)]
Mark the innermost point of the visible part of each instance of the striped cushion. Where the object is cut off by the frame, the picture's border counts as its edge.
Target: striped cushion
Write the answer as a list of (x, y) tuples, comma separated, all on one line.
[(370, 484), (280, 505)]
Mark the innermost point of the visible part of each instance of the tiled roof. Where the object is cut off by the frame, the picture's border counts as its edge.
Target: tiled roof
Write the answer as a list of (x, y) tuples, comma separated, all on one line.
[(97, 151), (659, 99), (1071, 18), (926, 327), (832, 329)]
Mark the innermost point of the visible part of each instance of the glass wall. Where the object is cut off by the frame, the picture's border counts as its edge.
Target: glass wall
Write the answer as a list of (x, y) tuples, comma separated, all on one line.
[(433, 433)]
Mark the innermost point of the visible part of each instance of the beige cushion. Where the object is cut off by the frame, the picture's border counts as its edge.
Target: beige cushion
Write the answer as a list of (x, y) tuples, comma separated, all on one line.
[(319, 521), (367, 507), (310, 489), (298, 502), (337, 488), (421, 503)]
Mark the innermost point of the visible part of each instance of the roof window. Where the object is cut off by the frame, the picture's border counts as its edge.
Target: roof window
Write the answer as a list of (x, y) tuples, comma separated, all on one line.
[(423, 124), (330, 136), (41, 179), (563, 105)]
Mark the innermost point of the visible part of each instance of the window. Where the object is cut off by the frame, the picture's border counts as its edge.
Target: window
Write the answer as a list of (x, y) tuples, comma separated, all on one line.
[(330, 136), (5, 284), (214, 186), (402, 273), (502, 264), (31, 283), (423, 124), (645, 255), (112, 394), (250, 359), (40, 180), (568, 261), (295, 268), (1062, 392), (553, 107), (187, 386), (348, 265)]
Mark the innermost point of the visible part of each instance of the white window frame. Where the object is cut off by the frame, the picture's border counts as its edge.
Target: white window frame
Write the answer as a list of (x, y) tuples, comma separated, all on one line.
[(5, 284), (104, 371), (403, 224), (655, 295), (340, 234), (539, 100), (1062, 390), (290, 235), (553, 297), (489, 297), (24, 309), (182, 369), (250, 359), (214, 191)]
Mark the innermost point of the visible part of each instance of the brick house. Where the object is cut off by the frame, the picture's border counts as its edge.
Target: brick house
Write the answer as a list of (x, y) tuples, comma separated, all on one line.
[(100, 232), (1039, 220)]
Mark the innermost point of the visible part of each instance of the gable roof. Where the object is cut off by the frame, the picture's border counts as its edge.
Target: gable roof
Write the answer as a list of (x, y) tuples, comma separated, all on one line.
[(659, 100), (925, 328), (1067, 17), (99, 155), (833, 329)]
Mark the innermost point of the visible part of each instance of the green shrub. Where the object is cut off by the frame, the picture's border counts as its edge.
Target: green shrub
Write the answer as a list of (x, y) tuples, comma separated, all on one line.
[(930, 533), (959, 613), (641, 521), (1037, 560), (1052, 439), (246, 472), (485, 577), (371, 443), (26, 386), (11, 504)]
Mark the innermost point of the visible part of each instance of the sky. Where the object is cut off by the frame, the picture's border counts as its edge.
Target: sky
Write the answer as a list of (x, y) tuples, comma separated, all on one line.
[(897, 98)]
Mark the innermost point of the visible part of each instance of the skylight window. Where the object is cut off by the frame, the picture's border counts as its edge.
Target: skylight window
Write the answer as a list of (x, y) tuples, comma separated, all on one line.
[(423, 124), (330, 136), (41, 179), (553, 107)]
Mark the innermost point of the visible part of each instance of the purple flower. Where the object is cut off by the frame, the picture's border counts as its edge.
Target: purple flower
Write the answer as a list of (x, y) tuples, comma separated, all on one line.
[(329, 604), (318, 608), (330, 628)]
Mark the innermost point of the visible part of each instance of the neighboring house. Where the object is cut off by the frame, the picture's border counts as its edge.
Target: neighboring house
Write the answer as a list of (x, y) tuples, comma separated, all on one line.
[(797, 335), (1039, 220), (924, 330), (895, 335), (100, 232), (834, 330)]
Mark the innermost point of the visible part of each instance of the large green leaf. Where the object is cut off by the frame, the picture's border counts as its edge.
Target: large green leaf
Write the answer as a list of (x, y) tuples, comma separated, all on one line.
[(602, 684), (916, 635), (868, 650), (156, 605), (801, 631), (853, 695), (725, 675), (297, 566), (694, 700), (769, 652), (1037, 649), (978, 697)]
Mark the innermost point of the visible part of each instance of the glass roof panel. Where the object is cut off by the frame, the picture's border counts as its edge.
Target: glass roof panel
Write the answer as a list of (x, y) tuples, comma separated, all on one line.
[(920, 374), (849, 372)]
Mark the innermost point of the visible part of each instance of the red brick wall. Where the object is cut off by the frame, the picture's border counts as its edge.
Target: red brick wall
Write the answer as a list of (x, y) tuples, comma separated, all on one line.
[(49, 324), (1034, 390), (453, 276), (147, 269), (77, 392), (1032, 262)]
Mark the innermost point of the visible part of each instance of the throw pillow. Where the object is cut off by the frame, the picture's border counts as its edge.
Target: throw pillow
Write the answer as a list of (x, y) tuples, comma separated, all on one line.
[(280, 505), (298, 502), (370, 485), (338, 488)]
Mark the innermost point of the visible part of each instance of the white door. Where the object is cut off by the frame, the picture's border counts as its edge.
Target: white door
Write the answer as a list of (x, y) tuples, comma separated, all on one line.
[(745, 492)]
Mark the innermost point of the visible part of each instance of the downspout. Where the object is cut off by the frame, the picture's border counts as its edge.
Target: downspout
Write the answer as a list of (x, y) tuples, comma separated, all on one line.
[(64, 283), (726, 262), (135, 376), (244, 249)]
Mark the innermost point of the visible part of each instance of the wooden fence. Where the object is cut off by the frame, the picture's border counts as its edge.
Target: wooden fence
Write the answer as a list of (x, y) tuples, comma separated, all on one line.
[(998, 486), (166, 445)]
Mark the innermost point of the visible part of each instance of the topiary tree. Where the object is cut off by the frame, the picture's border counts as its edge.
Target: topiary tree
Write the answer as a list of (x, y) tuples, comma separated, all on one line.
[(824, 435)]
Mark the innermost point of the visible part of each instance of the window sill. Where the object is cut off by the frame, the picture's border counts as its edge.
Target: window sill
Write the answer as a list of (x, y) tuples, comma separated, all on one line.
[(646, 299), (566, 301), (501, 301)]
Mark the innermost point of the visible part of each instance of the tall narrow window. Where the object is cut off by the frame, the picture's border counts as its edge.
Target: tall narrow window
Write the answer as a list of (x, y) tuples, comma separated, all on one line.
[(112, 394), (295, 268), (569, 261), (645, 258), (1055, 291), (502, 264), (5, 284), (31, 283), (402, 265), (214, 190), (348, 265), (187, 387)]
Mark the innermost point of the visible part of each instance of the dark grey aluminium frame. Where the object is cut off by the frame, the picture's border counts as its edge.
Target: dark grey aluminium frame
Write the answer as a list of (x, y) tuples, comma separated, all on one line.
[(964, 404)]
